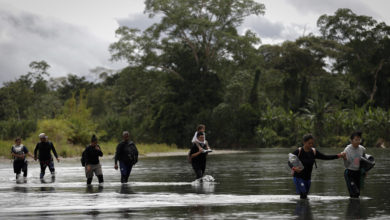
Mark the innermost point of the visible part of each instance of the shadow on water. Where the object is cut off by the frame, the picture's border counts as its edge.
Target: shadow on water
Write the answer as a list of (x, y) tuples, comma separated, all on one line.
[(303, 209)]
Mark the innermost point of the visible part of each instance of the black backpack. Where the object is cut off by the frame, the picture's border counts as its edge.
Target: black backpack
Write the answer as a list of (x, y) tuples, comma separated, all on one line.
[(132, 153), (83, 159)]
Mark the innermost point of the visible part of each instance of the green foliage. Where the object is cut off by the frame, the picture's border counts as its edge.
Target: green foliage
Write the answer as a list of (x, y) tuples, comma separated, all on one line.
[(194, 66), (12, 128), (56, 129), (79, 120)]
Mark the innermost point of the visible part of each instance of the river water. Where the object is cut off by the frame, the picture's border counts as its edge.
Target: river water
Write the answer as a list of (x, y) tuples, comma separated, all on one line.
[(255, 185)]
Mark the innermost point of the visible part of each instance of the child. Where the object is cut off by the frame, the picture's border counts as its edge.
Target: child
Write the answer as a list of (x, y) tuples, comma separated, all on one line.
[(353, 154), (19, 151), (201, 128)]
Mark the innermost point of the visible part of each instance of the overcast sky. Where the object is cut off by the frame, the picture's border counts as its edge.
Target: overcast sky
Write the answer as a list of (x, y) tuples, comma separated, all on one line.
[(73, 36)]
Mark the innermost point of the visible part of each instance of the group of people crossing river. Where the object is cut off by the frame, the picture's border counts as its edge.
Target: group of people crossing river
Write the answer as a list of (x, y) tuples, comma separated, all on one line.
[(127, 155)]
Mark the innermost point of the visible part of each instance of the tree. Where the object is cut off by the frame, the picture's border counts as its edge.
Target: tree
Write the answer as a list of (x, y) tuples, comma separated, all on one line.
[(365, 56), (194, 44)]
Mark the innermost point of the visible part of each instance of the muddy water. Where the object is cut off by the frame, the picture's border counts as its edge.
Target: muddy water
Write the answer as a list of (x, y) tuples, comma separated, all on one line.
[(254, 185)]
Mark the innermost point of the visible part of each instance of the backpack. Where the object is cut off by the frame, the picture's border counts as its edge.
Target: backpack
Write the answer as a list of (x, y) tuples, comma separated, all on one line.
[(314, 152), (132, 153), (83, 159)]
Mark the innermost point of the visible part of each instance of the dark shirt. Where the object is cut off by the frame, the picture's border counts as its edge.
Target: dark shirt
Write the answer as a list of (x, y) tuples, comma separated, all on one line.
[(44, 149), (308, 159), (92, 155), (127, 152), (199, 160)]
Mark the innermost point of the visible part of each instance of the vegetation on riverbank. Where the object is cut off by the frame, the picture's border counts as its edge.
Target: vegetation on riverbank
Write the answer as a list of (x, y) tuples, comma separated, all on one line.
[(194, 66), (70, 150)]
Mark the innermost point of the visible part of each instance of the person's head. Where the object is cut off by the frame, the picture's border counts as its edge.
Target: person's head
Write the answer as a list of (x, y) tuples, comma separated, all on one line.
[(94, 140), (356, 138), (126, 135), (42, 137), (200, 136), (308, 140), (201, 128), (18, 141)]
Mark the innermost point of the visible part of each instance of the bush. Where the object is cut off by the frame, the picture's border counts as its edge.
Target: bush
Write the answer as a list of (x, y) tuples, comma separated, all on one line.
[(16, 128)]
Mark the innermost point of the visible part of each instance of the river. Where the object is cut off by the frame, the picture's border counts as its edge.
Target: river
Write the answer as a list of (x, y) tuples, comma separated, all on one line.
[(254, 185)]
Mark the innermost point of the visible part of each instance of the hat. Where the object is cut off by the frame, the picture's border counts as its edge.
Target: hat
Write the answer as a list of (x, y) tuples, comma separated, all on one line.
[(93, 138), (42, 135)]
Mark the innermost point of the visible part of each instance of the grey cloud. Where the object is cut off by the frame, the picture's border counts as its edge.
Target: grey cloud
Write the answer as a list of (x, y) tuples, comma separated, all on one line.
[(330, 6), (140, 21), (264, 27), (270, 31), (26, 37)]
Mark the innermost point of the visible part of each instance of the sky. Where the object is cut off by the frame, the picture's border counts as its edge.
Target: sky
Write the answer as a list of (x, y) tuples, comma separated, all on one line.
[(73, 36)]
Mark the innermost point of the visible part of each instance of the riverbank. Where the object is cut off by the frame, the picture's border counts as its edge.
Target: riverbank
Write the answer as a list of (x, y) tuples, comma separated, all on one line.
[(178, 152), (72, 152), (65, 150)]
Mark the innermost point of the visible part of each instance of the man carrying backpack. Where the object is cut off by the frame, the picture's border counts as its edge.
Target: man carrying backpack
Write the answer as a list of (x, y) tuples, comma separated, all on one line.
[(127, 154)]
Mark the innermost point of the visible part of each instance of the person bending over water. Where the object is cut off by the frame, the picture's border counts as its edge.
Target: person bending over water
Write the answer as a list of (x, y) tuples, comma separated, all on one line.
[(307, 155), (92, 163)]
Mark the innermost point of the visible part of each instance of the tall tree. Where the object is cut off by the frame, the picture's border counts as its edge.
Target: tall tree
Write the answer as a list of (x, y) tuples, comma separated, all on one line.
[(193, 43), (366, 56)]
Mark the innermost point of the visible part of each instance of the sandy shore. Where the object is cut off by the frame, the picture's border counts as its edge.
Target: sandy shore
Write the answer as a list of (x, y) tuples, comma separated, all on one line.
[(156, 154)]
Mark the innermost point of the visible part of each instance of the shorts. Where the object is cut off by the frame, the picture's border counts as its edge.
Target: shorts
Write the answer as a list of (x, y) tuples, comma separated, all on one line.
[(95, 168)]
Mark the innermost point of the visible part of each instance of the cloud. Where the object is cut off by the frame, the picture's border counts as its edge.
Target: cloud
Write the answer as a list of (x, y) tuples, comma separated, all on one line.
[(275, 32), (26, 37), (330, 6), (138, 20)]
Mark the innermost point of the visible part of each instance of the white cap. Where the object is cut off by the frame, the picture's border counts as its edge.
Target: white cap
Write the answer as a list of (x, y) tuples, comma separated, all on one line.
[(42, 135)]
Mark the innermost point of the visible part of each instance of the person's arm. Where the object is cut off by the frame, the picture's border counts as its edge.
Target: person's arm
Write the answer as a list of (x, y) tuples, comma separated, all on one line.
[(195, 152), (199, 147), (99, 150), (15, 154), (207, 145), (27, 152), (54, 152), (322, 156), (35, 151), (136, 153), (118, 147)]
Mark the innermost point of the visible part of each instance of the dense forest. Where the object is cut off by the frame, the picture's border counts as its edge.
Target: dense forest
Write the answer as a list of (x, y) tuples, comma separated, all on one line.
[(194, 67)]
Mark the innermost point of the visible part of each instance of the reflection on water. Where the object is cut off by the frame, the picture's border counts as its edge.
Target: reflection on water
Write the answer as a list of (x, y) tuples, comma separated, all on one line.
[(47, 189), (205, 188), (303, 209), (256, 186), (126, 189), (94, 189), (356, 209)]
